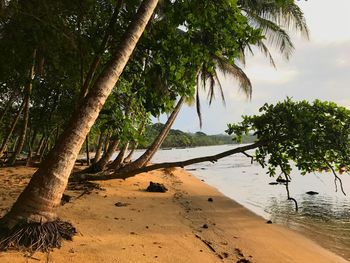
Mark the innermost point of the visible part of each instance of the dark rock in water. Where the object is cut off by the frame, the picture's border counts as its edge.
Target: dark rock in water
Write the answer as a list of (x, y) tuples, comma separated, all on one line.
[(273, 183), (312, 193), (281, 180), (156, 187), (120, 204), (65, 199), (210, 199), (268, 222)]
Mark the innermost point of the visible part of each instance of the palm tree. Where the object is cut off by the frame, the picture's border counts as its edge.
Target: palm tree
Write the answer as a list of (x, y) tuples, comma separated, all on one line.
[(268, 15), (153, 148), (23, 134), (36, 207)]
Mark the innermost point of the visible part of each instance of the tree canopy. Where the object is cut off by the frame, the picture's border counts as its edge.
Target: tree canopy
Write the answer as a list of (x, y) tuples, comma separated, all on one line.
[(313, 136)]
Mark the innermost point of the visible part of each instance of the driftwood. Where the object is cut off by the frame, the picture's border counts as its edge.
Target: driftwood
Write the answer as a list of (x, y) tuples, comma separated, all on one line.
[(115, 175)]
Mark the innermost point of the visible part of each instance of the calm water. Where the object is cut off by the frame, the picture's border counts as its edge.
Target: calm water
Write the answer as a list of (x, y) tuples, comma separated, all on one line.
[(324, 217)]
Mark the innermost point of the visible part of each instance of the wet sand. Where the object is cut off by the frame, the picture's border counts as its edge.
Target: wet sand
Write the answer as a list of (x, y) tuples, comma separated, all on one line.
[(180, 225)]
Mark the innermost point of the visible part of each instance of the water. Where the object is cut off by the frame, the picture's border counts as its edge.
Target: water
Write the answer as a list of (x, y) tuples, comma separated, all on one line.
[(324, 218)]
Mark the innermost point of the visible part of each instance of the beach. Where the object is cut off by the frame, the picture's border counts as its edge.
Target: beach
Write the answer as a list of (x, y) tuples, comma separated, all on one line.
[(191, 222)]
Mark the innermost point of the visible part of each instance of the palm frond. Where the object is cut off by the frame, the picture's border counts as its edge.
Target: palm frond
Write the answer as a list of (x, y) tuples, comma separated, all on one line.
[(274, 34), (284, 13), (232, 69), (264, 49), (217, 80)]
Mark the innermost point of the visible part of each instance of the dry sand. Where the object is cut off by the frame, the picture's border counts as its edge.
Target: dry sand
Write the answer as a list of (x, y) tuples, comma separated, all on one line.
[(163, 227)]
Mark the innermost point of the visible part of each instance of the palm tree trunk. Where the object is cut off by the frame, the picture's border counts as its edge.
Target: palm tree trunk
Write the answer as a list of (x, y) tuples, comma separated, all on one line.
[(44, 148), (39, 201), (40, 145), (149, 153), (30, 148), (103, 162), (120, 158), (135, 144), (8, 105), (107, 141), (131, 153), (23, 133), (14, 144), (97, 58), (99, 149), (10, 130), (87, 150)]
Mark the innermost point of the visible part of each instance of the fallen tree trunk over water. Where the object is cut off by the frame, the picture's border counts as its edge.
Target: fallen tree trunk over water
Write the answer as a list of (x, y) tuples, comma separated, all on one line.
[(107, 175)]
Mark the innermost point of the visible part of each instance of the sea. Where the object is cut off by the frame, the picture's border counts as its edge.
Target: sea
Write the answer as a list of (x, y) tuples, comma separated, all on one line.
[(323, 217)]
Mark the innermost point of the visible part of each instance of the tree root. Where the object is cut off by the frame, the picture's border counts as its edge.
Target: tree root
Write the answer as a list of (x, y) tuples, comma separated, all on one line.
[(34, 237)]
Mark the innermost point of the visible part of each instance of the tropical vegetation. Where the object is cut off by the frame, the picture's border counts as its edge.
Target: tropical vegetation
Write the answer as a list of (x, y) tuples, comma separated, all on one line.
[(87, 76)]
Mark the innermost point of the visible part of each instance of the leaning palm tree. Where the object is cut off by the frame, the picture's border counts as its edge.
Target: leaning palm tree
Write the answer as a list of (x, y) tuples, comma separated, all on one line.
[(35, 210), (269, 15)]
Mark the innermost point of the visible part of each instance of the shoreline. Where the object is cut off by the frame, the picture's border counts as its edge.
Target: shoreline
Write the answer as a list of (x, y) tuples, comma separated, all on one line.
[(180, 225)]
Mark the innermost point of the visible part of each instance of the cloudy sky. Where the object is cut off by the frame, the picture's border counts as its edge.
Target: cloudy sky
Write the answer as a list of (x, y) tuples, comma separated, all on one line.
[(318, 69)]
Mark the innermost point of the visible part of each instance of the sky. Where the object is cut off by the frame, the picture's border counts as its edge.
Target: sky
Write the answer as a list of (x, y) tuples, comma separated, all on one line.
[(318, 69)]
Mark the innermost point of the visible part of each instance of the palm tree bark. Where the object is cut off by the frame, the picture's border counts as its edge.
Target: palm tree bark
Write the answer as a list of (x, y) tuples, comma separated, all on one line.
[(40, 145), (99, 149), (23, 133), (8, 105), (103, 162), (97, 58), (11, 129), (120, 158), (44, 148), (107, 141), (87, 149), (30, 148), (135, 144), (149, 153), (40, 199), (131, 153)]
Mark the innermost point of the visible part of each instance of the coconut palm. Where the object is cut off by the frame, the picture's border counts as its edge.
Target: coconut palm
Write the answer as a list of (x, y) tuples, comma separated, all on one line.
[(271, 17), (36, 207)]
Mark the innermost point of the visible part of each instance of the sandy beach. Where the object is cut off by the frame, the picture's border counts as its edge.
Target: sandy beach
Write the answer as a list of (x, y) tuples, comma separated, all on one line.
[(180, 225)]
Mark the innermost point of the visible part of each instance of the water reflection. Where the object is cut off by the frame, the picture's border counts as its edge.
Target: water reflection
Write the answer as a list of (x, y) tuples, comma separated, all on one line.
[(322, 218)]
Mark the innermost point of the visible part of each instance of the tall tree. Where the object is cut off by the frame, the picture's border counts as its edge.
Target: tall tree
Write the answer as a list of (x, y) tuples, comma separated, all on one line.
[(39, 201), (28, 92)]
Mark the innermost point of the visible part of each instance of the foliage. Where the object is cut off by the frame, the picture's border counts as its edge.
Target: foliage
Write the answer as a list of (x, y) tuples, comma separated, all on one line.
[(315, 136), (177, 138)]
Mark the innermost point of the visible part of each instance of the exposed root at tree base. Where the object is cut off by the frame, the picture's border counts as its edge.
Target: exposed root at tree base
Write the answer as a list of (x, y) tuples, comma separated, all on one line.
[(35, 236)]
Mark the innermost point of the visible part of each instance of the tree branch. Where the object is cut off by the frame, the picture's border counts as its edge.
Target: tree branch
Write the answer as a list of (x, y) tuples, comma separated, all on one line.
[(249, 156), (211, 158), (287, 189), (336, 177)]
